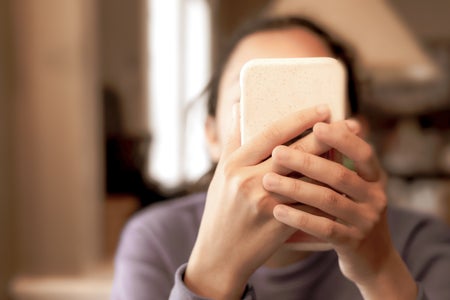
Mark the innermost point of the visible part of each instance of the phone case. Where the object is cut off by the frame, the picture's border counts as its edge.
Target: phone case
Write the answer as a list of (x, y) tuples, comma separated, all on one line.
[(273, 87)]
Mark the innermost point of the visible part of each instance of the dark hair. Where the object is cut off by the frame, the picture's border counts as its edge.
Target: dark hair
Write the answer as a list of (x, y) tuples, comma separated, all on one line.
[(264, 24)]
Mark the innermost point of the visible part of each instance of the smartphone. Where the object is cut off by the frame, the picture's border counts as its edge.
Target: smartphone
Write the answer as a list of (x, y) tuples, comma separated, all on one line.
[(274, 87)]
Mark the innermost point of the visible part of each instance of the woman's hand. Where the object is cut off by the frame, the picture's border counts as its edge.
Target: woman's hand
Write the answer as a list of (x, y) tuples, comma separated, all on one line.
[(238, 232), (355, 204)]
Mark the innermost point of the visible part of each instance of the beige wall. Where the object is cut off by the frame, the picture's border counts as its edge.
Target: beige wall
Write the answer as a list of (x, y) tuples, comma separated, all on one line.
[(428, 19), (123, 59), (57, 157), (228, 15), (6, 259)]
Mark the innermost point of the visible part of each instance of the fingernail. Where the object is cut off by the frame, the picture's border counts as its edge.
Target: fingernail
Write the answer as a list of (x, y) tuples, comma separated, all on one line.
[(352, 125), (280, 212), (322, 127), (322, 109), (270, 180), (280, 152)]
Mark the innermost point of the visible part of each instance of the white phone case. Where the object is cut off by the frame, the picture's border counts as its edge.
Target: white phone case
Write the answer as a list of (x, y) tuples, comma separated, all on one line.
[(274, 87)]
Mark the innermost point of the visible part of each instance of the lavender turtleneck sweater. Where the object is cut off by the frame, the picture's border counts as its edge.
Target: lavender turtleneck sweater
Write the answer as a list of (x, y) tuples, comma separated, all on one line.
[(157, 242)]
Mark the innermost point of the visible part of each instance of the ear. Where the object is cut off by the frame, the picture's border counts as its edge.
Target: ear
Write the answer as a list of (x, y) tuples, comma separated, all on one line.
[(212, 138)]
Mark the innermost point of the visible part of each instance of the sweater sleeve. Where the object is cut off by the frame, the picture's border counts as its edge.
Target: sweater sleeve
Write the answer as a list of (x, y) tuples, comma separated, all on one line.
[(181, 292), (428, 258)]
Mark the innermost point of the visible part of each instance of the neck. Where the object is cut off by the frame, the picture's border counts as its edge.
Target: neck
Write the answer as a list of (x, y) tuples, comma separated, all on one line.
[(285, 256)]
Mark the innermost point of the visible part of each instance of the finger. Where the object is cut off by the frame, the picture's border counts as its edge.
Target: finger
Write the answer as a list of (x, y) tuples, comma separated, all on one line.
[(314, 195), (307, 144), (323, 170), (233, 139), (342, 137), (310, 144), (321, 227), (271, 178), (281, 131)]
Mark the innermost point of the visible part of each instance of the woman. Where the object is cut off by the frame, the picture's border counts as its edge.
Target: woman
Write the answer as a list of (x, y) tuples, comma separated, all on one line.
[(233, 246)]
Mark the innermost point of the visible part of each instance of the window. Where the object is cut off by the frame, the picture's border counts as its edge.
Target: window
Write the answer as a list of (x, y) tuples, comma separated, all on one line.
[(179, 68)]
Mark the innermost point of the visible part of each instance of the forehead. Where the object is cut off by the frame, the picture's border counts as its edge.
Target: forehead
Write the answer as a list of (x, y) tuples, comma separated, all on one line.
[(275, 43)]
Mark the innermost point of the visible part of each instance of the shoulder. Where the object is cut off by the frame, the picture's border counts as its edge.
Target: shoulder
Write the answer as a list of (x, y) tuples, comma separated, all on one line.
[(153, 244), (170, 212), (168, 226), (408, 225), (422, 240)]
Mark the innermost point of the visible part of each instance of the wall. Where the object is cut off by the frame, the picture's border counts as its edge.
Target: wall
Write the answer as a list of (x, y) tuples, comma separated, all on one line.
[(56, 131), (428, 19), (227, 15), (411, 123), (6, 251), (123, 59)]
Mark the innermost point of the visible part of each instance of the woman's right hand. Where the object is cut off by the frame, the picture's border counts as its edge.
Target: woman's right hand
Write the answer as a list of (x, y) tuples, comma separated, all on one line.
[(238, 232)]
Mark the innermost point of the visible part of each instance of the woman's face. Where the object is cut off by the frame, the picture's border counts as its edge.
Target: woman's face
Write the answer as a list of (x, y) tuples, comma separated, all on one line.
[(278, 43)]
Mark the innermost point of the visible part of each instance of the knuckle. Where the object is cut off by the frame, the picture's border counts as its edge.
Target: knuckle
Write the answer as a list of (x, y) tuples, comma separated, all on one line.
[(278, 155), (342, 176), (329, 231), (330, 199), (379, 201), (272, 133), (366, 153), (371, 219), (374, 219), (262, 203), (301, 221), (258, 201), (358, 237), (300, 117), (382, 202), (306, 161), (295, 187), (228, 169), (239, 182), (341, 134), (353, 239), (299, 146)]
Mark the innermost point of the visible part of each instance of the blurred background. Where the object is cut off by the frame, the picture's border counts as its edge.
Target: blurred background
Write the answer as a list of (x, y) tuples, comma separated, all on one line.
[(101, 114)]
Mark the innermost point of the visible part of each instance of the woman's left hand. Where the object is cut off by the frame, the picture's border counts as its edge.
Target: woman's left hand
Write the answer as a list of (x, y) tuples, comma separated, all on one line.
[(355, 202)]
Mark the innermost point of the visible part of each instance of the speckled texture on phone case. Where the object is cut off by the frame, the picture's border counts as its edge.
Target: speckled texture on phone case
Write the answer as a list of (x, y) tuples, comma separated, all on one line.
[(271, 88)]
